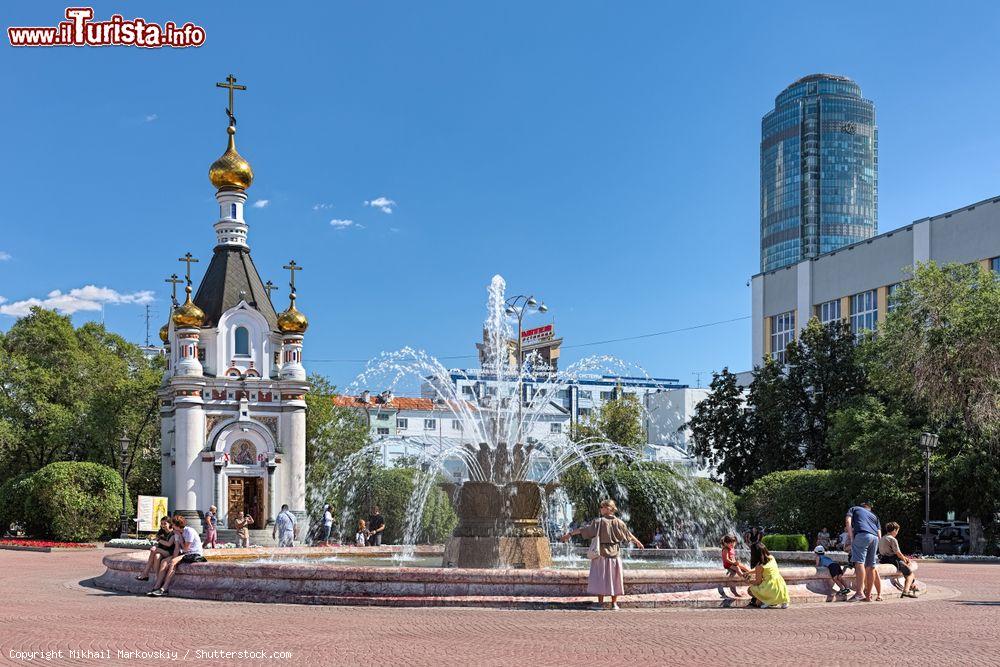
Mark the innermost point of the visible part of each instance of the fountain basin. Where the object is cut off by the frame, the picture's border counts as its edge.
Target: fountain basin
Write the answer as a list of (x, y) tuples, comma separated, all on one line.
[(240, 575), (499, 526)]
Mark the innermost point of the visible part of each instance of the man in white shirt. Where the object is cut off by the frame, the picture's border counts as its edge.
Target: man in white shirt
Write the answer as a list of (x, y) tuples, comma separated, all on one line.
[(327, 524), (187, 549), (844, 541), (284, 527)]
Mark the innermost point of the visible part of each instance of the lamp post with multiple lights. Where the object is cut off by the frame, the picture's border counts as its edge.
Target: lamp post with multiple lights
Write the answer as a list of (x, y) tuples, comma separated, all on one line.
[(928, 441), (124, 443), (519, 306)]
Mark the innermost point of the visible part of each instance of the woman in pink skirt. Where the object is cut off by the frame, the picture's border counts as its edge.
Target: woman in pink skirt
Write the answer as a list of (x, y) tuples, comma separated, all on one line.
[(606, 569)]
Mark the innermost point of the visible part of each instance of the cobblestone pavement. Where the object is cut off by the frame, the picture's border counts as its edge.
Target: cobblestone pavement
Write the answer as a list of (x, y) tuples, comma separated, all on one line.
[(48, 605)]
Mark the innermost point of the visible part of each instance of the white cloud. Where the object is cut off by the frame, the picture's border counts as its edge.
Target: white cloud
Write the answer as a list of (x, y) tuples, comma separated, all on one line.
[(341, 224), (89, 297), (322, 207), (4, 256), (261, 203), (151, 117), (3, 300), (383, 204)]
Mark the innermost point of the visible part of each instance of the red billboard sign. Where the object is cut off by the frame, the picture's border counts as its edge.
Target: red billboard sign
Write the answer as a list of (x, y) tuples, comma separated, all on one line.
[(538, 334)]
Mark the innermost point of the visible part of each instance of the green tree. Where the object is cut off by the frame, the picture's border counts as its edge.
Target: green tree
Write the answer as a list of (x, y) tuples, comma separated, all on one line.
[(941, 345), (69, 394), (719, 432), (43, 394), (619, 421), (788, 411), (774, 445), (651, 495), (823, 375), (319, 404), (872, 435), (333, 433), (939, 351), (392, 489)]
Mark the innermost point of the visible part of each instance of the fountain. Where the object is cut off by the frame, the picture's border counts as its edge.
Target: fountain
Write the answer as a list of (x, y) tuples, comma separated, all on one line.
[(499, 518), (499, 553), (500, 506)]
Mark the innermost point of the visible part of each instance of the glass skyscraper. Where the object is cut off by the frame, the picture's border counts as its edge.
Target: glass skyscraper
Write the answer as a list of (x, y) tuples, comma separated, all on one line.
[(818, 170)]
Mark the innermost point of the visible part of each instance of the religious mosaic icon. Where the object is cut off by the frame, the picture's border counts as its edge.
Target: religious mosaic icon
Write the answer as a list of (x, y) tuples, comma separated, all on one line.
[(243, 453)]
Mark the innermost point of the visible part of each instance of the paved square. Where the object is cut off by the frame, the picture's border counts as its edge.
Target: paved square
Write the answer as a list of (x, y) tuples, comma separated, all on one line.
[(48, 605)]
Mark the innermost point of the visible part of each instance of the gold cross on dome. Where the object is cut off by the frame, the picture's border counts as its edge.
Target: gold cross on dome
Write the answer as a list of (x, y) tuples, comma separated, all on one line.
[(189, 259), (230, 84), (174, 282), (292, 267)]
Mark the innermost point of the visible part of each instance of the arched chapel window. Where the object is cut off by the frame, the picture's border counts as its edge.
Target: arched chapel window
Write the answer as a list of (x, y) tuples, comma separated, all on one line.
[(242, 341)]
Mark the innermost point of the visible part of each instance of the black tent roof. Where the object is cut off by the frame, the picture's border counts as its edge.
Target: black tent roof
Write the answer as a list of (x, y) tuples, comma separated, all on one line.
[(232, 277)]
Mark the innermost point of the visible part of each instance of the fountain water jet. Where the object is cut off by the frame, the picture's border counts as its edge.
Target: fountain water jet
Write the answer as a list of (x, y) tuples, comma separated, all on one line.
[(501, 506)]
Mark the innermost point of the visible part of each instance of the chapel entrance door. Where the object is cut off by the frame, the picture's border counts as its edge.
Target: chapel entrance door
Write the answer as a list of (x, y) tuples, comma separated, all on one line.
[(236, 499), (253, 500), (246, 494)]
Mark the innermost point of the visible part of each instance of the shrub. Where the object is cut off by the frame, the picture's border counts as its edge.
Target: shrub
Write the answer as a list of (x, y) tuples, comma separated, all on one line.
[(655, 494), (74, 502), (774, 542), (805, 501), (14, 495), (778, 542), (797, 543)]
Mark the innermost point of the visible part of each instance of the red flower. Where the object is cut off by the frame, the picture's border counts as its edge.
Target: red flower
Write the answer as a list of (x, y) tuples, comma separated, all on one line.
[(17, 542)]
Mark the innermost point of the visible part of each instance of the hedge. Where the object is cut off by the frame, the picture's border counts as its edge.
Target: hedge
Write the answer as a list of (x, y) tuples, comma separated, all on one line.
[(68, 501), (778, 542), (806, 501)]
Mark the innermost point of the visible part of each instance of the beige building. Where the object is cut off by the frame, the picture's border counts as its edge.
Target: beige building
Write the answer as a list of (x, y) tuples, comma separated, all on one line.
[(855, 283)]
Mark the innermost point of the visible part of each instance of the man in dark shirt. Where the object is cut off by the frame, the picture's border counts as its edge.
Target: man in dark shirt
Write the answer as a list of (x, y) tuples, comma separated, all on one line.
[(864, 531), (376, 524)]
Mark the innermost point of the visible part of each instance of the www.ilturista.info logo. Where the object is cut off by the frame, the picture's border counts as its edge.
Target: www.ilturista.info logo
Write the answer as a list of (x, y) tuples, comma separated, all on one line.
[(80, 30)]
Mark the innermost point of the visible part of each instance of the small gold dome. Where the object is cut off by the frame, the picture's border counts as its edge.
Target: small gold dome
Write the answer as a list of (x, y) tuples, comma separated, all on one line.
[(231, 170), (165, 333), (187, 315), (292, 320)]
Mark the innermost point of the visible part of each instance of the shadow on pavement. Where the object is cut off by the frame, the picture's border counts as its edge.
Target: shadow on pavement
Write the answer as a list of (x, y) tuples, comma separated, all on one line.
[(102, 592)]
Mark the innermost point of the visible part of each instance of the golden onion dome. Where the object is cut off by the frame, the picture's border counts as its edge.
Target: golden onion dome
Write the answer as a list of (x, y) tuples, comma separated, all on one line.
[(165, 333), (231, 170), (292, 320), (187, 314)]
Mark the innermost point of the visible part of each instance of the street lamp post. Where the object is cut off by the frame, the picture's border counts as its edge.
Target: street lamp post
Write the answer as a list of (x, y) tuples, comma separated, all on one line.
[(519, 306), (124, 443), (928, 441)]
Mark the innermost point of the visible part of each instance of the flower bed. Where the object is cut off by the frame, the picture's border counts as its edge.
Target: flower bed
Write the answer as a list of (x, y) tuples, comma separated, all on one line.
[(960, 558), (129, 543), (20, 544)]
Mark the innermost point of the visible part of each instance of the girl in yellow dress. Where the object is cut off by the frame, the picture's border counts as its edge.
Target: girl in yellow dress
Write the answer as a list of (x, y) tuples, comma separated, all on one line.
[(766, 583)]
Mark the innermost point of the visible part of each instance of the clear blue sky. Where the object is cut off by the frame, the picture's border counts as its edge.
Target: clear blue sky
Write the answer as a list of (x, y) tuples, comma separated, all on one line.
[(603, 155)]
